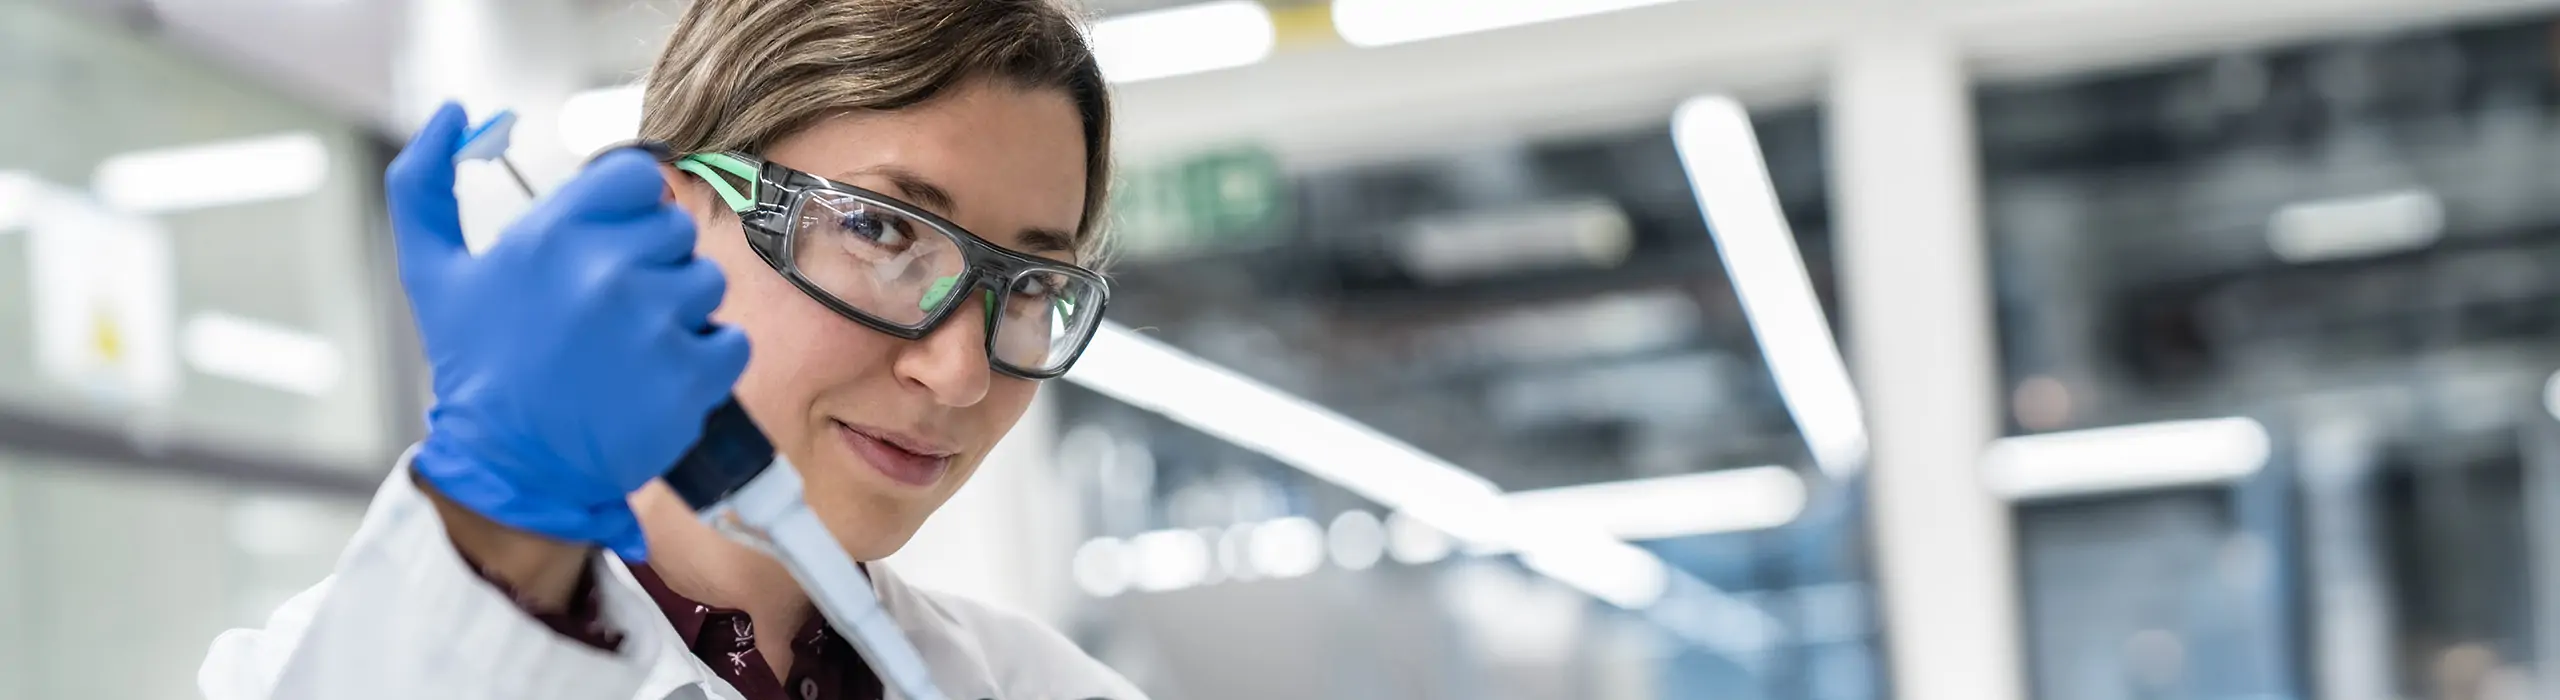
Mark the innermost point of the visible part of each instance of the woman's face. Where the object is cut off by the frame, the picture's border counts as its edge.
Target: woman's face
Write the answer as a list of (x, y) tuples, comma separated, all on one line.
[(884, 430)]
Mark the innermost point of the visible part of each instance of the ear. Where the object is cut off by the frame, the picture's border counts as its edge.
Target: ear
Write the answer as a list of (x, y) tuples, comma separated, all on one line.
[(696, 198)]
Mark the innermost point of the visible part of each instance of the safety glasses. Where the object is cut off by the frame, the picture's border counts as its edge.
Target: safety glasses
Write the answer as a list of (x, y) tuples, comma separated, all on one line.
[(903, 271)]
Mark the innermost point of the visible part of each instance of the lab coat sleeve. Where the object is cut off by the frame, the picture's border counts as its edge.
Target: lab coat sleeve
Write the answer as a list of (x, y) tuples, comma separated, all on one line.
[(404, 617)]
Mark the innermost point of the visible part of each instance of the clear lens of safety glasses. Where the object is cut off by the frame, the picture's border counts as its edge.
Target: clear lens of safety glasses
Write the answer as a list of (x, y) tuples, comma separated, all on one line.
[(1047, 317), (867, 255), (901, 270)]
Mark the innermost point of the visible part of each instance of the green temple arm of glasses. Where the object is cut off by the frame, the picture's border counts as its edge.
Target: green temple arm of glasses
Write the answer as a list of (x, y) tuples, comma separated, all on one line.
[(714, 168)]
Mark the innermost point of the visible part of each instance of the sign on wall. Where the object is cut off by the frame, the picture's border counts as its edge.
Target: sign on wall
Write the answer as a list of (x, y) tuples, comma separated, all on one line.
[(1214, 199), (102, 283)]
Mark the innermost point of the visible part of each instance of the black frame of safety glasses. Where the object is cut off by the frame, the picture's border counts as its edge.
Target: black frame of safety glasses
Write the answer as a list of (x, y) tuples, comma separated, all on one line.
[(780, 192)]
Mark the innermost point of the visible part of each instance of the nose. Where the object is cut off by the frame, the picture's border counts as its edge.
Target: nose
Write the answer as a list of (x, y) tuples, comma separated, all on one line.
[(950, 363)]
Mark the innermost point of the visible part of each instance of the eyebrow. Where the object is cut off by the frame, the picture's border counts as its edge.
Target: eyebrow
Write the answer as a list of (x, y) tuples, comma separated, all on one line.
[(1047, 240), (915, 188), (922, 192)]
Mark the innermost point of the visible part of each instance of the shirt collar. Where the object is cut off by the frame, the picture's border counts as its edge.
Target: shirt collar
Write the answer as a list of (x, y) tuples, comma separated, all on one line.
[(685, 614), (688, 615)]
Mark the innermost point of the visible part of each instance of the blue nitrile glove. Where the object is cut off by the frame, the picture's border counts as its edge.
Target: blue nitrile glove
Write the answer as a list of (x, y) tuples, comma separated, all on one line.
[(575, 359)]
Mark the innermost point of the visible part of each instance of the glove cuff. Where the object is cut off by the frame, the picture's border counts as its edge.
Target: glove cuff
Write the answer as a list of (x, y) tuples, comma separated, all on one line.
[(462, 476)]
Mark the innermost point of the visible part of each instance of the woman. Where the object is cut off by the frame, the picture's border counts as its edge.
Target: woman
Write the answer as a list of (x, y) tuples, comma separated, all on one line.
[(890, 200)]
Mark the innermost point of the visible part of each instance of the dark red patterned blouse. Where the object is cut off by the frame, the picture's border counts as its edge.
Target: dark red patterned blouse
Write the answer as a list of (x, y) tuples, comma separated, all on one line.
[(823, 666)]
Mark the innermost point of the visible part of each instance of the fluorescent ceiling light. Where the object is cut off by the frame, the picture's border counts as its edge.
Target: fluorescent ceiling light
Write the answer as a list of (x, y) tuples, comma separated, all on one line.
[(214, 174), (1170, 559), (1150, 375), (1356, 539), (1634, 323), (1183, 40), (2125, 458), (260, 353), (1102, 567), (1384, 22), (1730, 500), (1722, 156), (1159, 561), (1590, 232), (597, 118), (1427, 494), (1412, 542), (1287, 548), (2355, 227), (1235, 553), (1617, 573)]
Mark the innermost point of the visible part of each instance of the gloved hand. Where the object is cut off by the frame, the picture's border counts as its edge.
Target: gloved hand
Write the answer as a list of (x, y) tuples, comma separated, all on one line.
[(575, 359)]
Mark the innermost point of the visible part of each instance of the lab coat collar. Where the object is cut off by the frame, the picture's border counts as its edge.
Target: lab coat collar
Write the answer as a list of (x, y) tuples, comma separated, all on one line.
[(672, 666)]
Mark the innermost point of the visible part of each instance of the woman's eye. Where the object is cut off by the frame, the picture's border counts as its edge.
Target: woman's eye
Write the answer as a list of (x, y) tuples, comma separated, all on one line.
[(1034, 286), (877, 229)]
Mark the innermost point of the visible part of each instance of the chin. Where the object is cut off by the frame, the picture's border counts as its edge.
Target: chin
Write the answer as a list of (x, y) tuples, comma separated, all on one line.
[(871, 532), (870, 516)]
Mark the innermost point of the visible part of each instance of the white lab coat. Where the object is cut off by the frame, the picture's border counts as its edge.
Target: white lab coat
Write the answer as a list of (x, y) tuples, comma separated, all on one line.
[(404, 617)]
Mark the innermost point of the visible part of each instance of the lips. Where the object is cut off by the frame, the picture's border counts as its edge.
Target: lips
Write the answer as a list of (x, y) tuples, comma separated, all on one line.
[(903, 459)]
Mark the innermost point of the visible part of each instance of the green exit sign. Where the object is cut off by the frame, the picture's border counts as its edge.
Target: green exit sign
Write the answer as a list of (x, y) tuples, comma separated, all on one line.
[(1224, 198)]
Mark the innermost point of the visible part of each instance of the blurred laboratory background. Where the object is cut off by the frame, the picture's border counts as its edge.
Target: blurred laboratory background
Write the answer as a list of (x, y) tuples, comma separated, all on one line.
[(1499, 349)]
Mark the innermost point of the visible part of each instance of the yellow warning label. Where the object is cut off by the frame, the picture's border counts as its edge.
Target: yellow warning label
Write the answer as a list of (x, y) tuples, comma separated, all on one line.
[(1305, 25), (104, 338)]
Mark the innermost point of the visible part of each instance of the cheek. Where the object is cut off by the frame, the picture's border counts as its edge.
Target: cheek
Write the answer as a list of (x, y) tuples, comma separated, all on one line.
[(798, 349)]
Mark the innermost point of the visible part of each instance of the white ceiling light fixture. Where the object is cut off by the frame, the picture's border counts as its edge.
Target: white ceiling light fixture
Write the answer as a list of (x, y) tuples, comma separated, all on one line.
[(1210, 569), (1721, 154), (1235, 553), (197, 176), (1167, 560), (2125, 458), (1705, 503), (1183, 40), (1585, 232), (2356, 227), (1288, 547), (1356, 540), (261, 353), (1371, 23), (597, 118), (1146, 373), (1150, 375), (1412, 543), (1101, 567), (1617, 573)]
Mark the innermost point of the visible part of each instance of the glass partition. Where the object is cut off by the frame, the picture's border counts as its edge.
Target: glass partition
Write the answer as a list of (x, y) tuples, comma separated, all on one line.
[(192, 396)]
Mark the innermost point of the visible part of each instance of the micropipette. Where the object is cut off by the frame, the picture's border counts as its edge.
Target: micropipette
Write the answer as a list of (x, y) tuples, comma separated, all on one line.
[(733, 480), (489, 142)]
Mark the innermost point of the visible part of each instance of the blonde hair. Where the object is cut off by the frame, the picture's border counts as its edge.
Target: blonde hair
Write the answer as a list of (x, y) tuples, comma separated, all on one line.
[(741, 75)]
